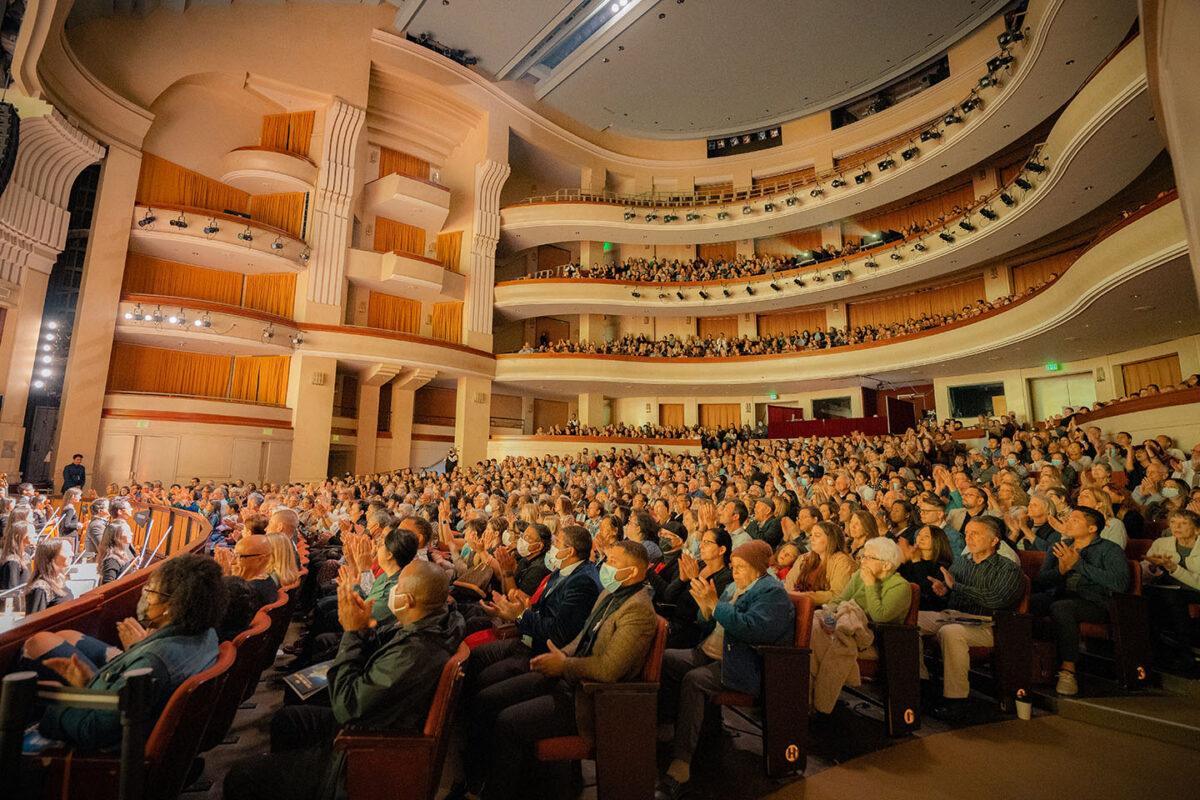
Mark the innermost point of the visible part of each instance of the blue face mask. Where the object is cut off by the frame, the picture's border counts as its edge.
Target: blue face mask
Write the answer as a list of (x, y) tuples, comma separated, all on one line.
[(1056, 462), (694, 548), (608, 578), (1012, 460), (466, 551)]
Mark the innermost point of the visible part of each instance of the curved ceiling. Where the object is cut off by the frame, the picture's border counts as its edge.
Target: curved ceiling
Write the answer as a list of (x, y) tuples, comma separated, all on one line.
[(695, 68)]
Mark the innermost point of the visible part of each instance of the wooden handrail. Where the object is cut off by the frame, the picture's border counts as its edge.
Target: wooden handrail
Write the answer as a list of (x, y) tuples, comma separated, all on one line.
[(195, 418), (607, 440), (222, 215), (1180, 397), (381, 333)]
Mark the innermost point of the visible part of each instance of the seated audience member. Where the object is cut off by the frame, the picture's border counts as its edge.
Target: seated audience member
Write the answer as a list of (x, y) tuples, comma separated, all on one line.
[(643, 529), (115, 553), (860, 529), (926, 559), (17, 539), (676, 602), (96, 525), (754, 610), (974, 588), (841, 634), (611, 647), (383, 678), (826, 568), (1114, 528), (173, 635), (764, 526), (282, 566), (240, 607), (1033, 530), (785, 558), (250, 558), (1172, 569), (554, 613), (1081, 572), (733, 517), (530, 568), (47, 585)]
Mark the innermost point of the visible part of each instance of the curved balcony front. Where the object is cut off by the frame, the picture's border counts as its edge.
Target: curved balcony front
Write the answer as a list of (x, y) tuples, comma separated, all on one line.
[(413, 276), (1068, 320), (215, 240), (262, 170), (1100, 143), (201, 326), (413, 201), (1062, 34)]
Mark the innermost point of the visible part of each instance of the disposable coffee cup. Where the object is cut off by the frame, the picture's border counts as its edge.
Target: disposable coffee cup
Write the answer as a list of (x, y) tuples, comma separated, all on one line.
[(1024, 709)]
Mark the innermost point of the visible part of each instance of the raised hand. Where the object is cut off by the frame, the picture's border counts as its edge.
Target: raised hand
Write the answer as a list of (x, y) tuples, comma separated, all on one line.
[(354, 613), (130, 632)]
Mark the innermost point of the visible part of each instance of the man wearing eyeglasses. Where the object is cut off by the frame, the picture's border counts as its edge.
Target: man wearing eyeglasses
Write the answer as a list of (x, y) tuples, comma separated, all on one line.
[(250, 559)]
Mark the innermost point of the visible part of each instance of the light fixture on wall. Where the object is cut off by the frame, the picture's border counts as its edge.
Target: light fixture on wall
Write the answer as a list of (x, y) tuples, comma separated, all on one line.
[(920, 246), (277, 245), (1008, 199), (966, 225), (775, 286), (246, 235), (268, 332), (791, 201), (211, 228), (178, 222), (886, 164), (725, 291), (1022, 184), (769, 207), (988, 213), (203, 322), (747, 209), (305, 256), (156, 317), (296, 339), (653, 215), (909, 153), (947, 237), (862, 177), (722, 215), (749, 290), (692, 216), (952, 118), (1035, 166), (798, 282), (147, 219), (896, 256), (930, 135), (838, 182), (629, 214), (704, 295), (817, 192), (178, 319), (135, 315)]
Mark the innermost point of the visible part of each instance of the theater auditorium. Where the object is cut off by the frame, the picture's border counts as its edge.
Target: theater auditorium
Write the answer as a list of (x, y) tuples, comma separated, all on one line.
[(600, 399)]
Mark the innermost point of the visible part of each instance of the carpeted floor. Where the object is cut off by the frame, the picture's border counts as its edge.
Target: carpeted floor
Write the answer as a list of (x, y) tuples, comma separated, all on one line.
[(1047, 757)]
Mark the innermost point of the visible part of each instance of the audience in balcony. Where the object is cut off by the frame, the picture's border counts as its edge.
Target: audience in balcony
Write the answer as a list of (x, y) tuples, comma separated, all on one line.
[(722, 346)]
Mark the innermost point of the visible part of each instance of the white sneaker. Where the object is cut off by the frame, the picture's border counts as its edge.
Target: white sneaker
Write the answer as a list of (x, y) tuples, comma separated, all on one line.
[(1067, 685)]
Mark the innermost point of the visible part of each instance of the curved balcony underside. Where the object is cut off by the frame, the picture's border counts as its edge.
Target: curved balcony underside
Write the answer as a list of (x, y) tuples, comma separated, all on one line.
[(221, 250), (1069, 33), (1070, 320), (1102, 141)]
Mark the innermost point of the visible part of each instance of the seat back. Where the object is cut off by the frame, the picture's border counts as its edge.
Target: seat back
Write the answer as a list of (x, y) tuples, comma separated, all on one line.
[(652, 668), (1023, 603), (1135, 577), (914, 605), (279, 614), (1031, 562), (441, 710), (804, 606), (1137, 548), (175, 739), (243, 676)]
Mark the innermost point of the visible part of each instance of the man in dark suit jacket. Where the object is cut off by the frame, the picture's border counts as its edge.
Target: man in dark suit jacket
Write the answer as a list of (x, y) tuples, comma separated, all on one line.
[(753, 610), (764, 526)]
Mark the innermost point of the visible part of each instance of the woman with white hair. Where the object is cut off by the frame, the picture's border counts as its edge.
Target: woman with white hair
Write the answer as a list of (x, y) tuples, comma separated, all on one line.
[(841, 632)]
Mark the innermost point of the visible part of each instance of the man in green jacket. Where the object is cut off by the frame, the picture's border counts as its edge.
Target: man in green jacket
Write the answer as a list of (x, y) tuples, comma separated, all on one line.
[(384, 677)]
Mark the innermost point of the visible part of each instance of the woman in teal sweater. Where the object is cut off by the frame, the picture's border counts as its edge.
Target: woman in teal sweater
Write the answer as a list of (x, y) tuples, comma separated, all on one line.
[(841, 635)]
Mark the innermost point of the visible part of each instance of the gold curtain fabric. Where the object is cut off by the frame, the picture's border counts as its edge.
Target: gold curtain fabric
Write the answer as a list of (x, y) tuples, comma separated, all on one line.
[(810, 319), (163, 182), (135, 368), (283, 210), (715, 326), (397, 237), (447, 322), (393, 313), (274, 293), (148, 275), (914, 305), (1163, 371), (716, 251), (449, 250), (788, 244), (719, 415), (670, 415), (288, 133), (1027, 276), (260, 379), (899, 218), (395, 162)]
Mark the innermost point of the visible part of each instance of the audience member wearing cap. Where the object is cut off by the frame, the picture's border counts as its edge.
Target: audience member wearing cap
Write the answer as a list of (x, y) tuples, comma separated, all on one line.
[(753, 610), (840, 635)]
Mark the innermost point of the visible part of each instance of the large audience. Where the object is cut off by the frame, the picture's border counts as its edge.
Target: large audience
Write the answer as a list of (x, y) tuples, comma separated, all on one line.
[(578, 553), (672, 346)]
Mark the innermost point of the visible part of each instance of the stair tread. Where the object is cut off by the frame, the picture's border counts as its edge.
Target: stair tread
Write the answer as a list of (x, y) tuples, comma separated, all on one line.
[(1167, 708)]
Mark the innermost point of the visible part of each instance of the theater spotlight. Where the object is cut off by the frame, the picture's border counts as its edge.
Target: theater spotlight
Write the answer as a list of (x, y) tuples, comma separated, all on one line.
[(746, 209), (156, 317), (669, 218), (268, 332), (988, 80), (999, 62), (203, 322), (910, 153), (1008, 37), (211, 228), (970, 104), (887, 164), (987, 213), (628, 215), (920, 247), (798, 282), (818, 278), (769, 207), (246, 235), (653, 215), (966, 225), (722, 215), (951, 119), (177, 319), (871, 264), (679, 295), (178, 222), (136, 314), (837, 183), (636, 293), (791, 201), (896, 255), (861, 177), (1023, 184), (691, 216), (1007, 199), (704, 295), (1034, 166), (662, 295), (930, 135), (725, 291), (945, 236), (817, 192), (277, 244), (749, 290), (775, 286), (297, 339), (305, 256), (147, 219)]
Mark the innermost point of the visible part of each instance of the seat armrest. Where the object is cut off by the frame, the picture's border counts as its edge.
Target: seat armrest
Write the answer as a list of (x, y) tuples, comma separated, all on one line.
[(505, 631)]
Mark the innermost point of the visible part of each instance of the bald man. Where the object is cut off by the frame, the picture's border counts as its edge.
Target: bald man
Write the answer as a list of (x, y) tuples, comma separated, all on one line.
[(384, 677), (251, 560)]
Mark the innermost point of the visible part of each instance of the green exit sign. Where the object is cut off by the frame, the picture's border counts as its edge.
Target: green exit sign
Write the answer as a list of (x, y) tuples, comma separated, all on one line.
[(1053, 366), (773, 395), (608, 247)]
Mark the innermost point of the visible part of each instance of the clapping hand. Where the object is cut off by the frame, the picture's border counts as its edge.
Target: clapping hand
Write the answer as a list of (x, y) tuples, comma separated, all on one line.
[(551, 663), (354, 613), (705, 594), (1067, 557), (942, 588), (130, 632), (689, 568), (224, 558)]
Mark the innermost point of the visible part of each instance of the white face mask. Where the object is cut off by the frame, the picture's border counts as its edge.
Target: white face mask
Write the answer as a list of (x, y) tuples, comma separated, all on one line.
[(523, 548), (398, 601), (506, 538)]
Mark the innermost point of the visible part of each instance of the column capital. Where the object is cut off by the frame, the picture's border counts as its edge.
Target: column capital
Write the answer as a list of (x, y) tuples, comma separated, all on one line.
[(413, 379), (377, 374)]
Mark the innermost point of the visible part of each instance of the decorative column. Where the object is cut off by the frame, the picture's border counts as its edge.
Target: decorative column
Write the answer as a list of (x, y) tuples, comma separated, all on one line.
[(33, 231), (367, 432), (310, 396), (404, 390), (332, 212), (472, 419), (593, 409), (481, 277)]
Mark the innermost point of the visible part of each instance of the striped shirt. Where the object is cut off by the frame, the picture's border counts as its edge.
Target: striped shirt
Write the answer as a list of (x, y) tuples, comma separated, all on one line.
[(991, 585)]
